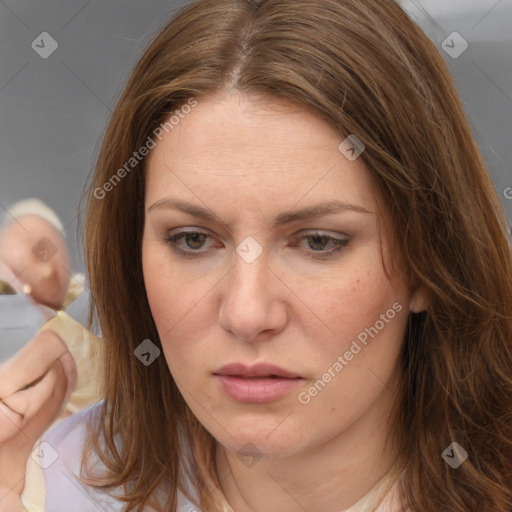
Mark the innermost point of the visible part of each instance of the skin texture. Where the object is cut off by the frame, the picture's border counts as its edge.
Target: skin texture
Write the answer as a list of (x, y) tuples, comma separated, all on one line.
[(248, 160), (48, 279)]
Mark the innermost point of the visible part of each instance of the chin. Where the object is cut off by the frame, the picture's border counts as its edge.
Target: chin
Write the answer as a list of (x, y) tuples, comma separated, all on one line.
[(266, 440)]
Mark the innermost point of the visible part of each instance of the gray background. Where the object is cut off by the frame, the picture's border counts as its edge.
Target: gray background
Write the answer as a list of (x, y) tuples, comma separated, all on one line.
[(53, 111)]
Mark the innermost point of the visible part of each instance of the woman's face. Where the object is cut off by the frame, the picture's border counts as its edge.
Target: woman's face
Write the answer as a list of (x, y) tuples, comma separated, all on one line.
[(261, 248)]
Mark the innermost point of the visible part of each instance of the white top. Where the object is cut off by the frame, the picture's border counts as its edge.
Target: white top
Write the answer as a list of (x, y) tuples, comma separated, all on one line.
[(52, 484)]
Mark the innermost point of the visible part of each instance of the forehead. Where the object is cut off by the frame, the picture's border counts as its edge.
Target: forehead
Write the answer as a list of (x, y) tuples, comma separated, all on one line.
[(235, 146), (233, 126)]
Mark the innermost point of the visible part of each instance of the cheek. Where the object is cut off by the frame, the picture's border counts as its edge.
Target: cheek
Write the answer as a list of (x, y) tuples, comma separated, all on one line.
[(162, 290), (355, 362), (162, 285), (177, 300), (352, 298)]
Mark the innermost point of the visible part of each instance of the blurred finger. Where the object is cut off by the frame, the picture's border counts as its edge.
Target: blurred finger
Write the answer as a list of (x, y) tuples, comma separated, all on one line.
[(31, 362), (9, 500), (53, 393), (41, 404), (10, 422)]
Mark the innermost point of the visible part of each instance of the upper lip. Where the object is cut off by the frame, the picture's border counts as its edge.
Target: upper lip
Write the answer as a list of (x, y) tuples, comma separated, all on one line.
[(257, 370)]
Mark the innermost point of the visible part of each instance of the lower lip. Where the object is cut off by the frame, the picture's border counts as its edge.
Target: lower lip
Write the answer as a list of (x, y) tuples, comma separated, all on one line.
[(255, 390)]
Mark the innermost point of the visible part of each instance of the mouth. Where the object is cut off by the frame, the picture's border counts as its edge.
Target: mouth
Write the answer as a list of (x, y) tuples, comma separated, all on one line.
[(257, 371), (259, 377), (259, 384)]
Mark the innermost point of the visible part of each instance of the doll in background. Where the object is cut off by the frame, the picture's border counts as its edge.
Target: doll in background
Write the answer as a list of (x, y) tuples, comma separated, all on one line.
[(33, 247)]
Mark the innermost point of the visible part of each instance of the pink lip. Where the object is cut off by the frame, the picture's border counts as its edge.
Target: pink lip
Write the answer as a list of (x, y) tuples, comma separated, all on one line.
[(258, 384), (257, 370)]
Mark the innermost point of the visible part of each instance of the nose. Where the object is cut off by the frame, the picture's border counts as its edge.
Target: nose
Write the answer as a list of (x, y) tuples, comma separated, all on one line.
[(253, 304)]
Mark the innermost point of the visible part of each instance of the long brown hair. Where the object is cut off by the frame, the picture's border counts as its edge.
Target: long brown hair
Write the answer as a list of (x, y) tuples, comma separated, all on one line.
[(366, 69)]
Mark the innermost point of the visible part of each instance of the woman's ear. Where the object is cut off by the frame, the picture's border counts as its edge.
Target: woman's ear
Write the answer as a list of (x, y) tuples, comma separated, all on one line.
[(420, 300)]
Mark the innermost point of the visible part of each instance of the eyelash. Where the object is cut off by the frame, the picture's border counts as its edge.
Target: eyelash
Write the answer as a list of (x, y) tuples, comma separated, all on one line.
[(340, 243)]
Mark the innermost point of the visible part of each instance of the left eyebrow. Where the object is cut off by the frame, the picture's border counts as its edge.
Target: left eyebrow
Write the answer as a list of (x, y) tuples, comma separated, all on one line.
[(310, 212), (317, 210)]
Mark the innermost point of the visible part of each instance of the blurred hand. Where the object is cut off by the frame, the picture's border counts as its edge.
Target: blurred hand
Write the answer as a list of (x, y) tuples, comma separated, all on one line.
[(35, 386), (9, 500)]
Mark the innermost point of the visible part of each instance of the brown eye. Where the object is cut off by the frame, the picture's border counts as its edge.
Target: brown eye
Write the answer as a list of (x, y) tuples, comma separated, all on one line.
[(319, 245), (194, 240), (318, 242)]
